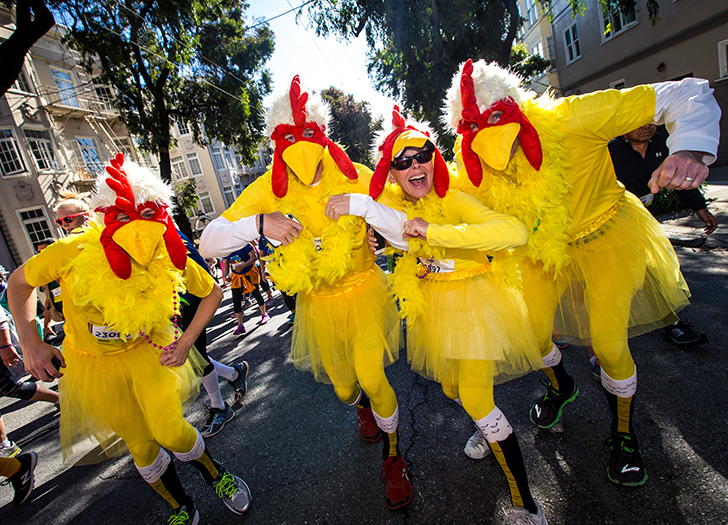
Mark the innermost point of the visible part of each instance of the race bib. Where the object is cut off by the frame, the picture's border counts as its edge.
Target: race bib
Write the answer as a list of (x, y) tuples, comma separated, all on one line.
[(104, 334), (436, 266)]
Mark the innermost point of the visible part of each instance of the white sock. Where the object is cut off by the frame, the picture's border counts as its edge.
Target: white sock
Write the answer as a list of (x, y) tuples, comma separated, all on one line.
[(390, 424), (196, 453), (495, 426), (554, 357), (6, 443), (224, 371), (622, 388), (358, 398), (154, 471), (212, 387)]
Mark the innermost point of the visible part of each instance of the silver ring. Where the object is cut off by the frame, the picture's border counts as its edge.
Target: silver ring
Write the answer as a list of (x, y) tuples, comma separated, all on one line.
[(690, 179)]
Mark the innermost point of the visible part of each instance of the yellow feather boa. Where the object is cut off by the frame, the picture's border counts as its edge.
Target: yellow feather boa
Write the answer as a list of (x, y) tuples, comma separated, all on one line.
[(404, 283), (142, 302), (537, 198), (299, 266)]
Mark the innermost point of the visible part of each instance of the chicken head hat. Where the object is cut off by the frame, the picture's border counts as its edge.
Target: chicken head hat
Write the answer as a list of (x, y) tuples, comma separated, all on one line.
[(479, 90), (297, 127), (134, 203), (403, 136)]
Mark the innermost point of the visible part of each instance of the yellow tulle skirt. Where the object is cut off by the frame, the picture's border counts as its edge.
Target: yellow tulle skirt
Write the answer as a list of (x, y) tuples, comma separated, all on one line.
[(107, 396), (330, 328), (623, 280), (477, 319)]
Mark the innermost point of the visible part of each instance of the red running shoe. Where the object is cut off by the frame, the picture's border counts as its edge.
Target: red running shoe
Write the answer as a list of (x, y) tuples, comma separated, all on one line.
[(399, 488), (368, 429)]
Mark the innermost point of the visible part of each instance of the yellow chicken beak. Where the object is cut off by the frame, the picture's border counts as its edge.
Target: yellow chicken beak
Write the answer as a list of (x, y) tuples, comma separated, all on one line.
[(139, 239), (303, 158), (493, 144)]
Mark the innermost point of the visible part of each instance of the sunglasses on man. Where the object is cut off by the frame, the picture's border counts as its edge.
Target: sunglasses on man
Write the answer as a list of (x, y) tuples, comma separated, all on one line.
[(404, 163), (68, 219)]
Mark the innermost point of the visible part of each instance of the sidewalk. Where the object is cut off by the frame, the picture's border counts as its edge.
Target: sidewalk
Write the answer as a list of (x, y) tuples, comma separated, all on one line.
[(686, 229)]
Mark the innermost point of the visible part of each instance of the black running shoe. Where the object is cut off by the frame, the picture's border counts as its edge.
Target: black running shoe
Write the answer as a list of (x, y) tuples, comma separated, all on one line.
[(547, 411), (22, 481), (625, 466), (681, 334), (241, 383)]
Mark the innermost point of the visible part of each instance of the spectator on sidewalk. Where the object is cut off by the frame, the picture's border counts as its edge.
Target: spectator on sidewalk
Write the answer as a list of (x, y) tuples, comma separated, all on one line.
[(244, 279), (635, 156)]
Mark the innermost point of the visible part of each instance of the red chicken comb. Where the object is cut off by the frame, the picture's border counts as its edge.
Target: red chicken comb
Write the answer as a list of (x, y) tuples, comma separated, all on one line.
[(120, 184), (470, 110), (298, 102)]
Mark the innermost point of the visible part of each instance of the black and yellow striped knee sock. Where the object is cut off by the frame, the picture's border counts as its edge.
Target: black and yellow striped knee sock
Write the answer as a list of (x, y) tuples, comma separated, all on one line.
[(390, 444), (622, 412), (170, 488), (208, 467), (508, 454)]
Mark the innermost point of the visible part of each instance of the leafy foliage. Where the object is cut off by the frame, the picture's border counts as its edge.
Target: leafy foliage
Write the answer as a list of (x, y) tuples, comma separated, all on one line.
[(187, 197), (189, 60), (526, 65), (415, 47), (351, 124)]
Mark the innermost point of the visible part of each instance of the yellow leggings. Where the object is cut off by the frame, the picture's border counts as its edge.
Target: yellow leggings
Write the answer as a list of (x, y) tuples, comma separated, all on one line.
[(9, 467), (475, 392), (148, 421), (369, 371), (606, 311)]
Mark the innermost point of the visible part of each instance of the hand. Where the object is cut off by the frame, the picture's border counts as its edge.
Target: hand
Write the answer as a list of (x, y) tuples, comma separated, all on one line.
[(415, 229), (10, 356), (278, 227), (710, 223), (337, 206), (372, 240), (38, 355), (175, 356), (683, 170)]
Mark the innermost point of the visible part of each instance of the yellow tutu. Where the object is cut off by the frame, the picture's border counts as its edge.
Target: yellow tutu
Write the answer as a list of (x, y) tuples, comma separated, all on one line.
[(100, 397), (329, 327), (623, 280), (475, 319)]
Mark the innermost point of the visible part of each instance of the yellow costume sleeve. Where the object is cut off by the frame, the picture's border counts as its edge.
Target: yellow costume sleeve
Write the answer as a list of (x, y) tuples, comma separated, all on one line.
[(588, 123), (256, 198), (197, 281), (46, 266), (475, 227)]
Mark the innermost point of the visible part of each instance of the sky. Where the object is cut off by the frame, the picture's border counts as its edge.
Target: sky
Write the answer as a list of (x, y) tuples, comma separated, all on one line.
[(319, 62)]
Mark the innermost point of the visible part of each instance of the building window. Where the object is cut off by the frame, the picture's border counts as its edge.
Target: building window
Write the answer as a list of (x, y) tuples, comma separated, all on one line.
[(10, 161), (616, 21), (206, 202), (217, 159), (551, 49), (39, 142), (178, 168), (65, 87), (183, 128), (90, 155), (618, 84), (229, 196), (571, 42), (36, 224), (723, 58), (531, 14), (22, 84), (195, 166), (104, 96)]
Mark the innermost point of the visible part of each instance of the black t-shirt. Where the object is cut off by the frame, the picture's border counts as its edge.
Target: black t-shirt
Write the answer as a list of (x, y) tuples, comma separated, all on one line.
[(635, 172)]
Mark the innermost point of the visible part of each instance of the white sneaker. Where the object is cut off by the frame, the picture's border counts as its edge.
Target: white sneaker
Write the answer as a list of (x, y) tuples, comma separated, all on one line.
[(233, 491), (10, 451), (524, 517), (477, 447)]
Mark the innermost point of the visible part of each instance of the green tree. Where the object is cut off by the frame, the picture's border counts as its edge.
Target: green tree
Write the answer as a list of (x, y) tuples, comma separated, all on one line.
[(526, 65), (33, 19), (351, 124), (191, 60), (187, 197), (416, 46)]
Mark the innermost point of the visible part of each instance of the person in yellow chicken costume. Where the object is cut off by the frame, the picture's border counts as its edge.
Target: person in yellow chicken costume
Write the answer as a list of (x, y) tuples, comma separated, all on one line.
[(346, 329), (467, 328), (597, 264), (125, 367)]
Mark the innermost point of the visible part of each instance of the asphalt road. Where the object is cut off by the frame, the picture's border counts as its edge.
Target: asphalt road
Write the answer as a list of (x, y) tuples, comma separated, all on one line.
[(298, 448)]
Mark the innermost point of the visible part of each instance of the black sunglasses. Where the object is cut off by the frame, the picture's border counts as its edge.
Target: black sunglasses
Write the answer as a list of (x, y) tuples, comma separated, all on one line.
[(404, 163)]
